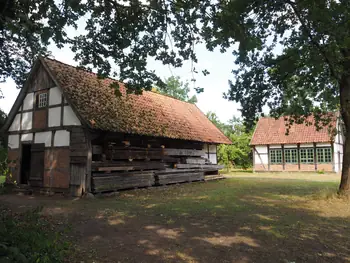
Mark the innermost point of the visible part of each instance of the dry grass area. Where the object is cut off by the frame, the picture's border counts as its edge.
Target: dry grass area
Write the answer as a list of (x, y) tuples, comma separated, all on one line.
[(241, 219)]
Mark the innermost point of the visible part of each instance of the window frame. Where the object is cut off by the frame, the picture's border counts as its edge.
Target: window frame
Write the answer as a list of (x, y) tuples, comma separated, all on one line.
[(306, 160), (323, 149), (291, 155), (275, 151), (40, 102)]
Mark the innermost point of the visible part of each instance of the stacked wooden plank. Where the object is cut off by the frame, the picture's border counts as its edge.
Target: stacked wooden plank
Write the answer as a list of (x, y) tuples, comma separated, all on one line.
[(171, 176), (102, 182)]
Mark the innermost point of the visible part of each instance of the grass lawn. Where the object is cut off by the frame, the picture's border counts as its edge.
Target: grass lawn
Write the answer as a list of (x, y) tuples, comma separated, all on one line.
[(245, 218)]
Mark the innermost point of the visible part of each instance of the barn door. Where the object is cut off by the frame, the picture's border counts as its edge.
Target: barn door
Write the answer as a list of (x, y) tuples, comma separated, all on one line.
[(37, 164)]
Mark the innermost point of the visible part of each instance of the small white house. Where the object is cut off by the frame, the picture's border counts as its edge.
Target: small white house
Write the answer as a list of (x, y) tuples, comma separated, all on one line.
[(302, 149)]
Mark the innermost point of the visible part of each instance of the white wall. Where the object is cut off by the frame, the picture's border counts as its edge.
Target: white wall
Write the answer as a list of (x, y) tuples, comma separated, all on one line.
[(43, 137), (61, 138), (290, 146), (27, 137), (13, 141), (307, 145), (338, 148), (55, 96), (15, 126), (261, 155), (212, 153), (28, 102), (69, 117), (275, 146), (54, 117), (27, 120)]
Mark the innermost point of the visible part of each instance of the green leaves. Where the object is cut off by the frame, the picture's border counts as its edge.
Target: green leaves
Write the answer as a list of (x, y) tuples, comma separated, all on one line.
[(177, 89)]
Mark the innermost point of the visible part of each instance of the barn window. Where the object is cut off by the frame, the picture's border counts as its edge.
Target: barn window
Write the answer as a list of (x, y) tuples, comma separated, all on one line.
[(291, 155), (41, 100), (324, 155), (276, 156), (307, 155)]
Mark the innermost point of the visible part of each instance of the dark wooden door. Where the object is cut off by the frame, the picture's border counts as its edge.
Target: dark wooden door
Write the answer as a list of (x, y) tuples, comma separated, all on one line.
[(37, 164)]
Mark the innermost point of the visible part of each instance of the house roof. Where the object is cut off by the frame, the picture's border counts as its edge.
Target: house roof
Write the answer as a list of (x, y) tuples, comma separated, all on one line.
[(149, 114), (273, 131)]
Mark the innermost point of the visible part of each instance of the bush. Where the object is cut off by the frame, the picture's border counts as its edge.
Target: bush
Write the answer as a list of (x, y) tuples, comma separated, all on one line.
[(28, 237)]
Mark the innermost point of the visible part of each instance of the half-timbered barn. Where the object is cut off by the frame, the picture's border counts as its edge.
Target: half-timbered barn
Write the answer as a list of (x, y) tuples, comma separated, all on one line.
[(302, 148), (69, 132)]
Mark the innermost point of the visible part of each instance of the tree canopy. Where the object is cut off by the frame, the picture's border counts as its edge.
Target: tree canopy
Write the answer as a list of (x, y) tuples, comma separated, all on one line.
[(176, 88), (292, 55), (238, 154)]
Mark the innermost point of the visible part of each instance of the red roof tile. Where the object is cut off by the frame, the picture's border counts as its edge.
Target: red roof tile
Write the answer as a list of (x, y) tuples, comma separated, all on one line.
[(273, 131), (150, 114)]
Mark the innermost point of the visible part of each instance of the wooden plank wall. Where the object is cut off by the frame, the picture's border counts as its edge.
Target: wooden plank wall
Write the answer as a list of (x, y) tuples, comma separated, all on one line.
[(123, 162), (78, 161)]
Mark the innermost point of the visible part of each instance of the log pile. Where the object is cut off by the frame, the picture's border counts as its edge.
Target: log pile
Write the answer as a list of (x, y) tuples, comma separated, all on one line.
[(117, 181), (172, 176)]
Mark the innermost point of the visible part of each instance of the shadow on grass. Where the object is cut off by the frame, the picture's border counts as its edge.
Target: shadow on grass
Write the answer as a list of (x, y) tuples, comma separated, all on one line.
[(229, 221)]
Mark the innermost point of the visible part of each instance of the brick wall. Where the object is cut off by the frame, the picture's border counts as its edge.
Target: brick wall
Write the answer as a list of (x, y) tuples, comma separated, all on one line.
[(260, 167), (327, 167), (57, 164), (294, 167), (307, 167), (291, 167), (276, 167), (13, 157), (40, 118)]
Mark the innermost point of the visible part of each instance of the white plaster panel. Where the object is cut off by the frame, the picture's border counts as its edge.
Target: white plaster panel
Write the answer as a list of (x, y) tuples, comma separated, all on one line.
[(28, 102), (306, 145), (323, 145), (55, 96), (261, 149), (13, 141), (290, 146), (15, 126), (205, 147), (43, 137), (69, 117), (261, 155), (212, 148), (54, 116), (61, 138), (212, 158), (27, 120), (27, 137), (275, 146)]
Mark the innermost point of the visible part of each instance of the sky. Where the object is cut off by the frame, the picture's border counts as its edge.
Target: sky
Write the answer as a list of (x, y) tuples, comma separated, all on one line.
[(215, 84)]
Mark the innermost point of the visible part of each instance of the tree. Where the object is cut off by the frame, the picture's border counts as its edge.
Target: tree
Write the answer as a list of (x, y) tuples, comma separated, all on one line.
[(123, 33), (239, 153), (293, 55), (177, 89)]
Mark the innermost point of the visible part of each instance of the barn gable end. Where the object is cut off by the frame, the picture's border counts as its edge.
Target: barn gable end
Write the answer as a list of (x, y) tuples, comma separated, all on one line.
[(41, 115)]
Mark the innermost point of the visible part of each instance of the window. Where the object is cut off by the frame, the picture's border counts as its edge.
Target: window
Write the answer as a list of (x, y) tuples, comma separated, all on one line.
[(276, 156), (41, 100), (306, 155), (291, 155), (324, 155)]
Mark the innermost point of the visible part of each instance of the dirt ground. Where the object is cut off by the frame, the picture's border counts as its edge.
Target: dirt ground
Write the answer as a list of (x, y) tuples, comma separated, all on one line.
[(233, 220)]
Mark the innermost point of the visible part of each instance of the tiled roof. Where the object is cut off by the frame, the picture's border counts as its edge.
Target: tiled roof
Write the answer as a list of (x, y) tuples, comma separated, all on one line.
[(149, 114), (273, 131)]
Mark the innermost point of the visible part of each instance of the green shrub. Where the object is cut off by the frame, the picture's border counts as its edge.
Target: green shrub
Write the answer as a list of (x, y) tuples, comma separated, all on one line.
[(28, 237)]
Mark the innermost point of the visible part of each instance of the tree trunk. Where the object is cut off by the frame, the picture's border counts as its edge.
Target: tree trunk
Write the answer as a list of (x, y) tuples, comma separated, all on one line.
[(344, 187)]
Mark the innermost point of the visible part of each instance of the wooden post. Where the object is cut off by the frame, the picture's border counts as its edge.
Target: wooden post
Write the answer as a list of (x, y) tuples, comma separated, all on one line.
[(315, 157), (268, 157), (333, 164), (88, 163), (298, 155), (208, 152), (283, 159), (253, 150)]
